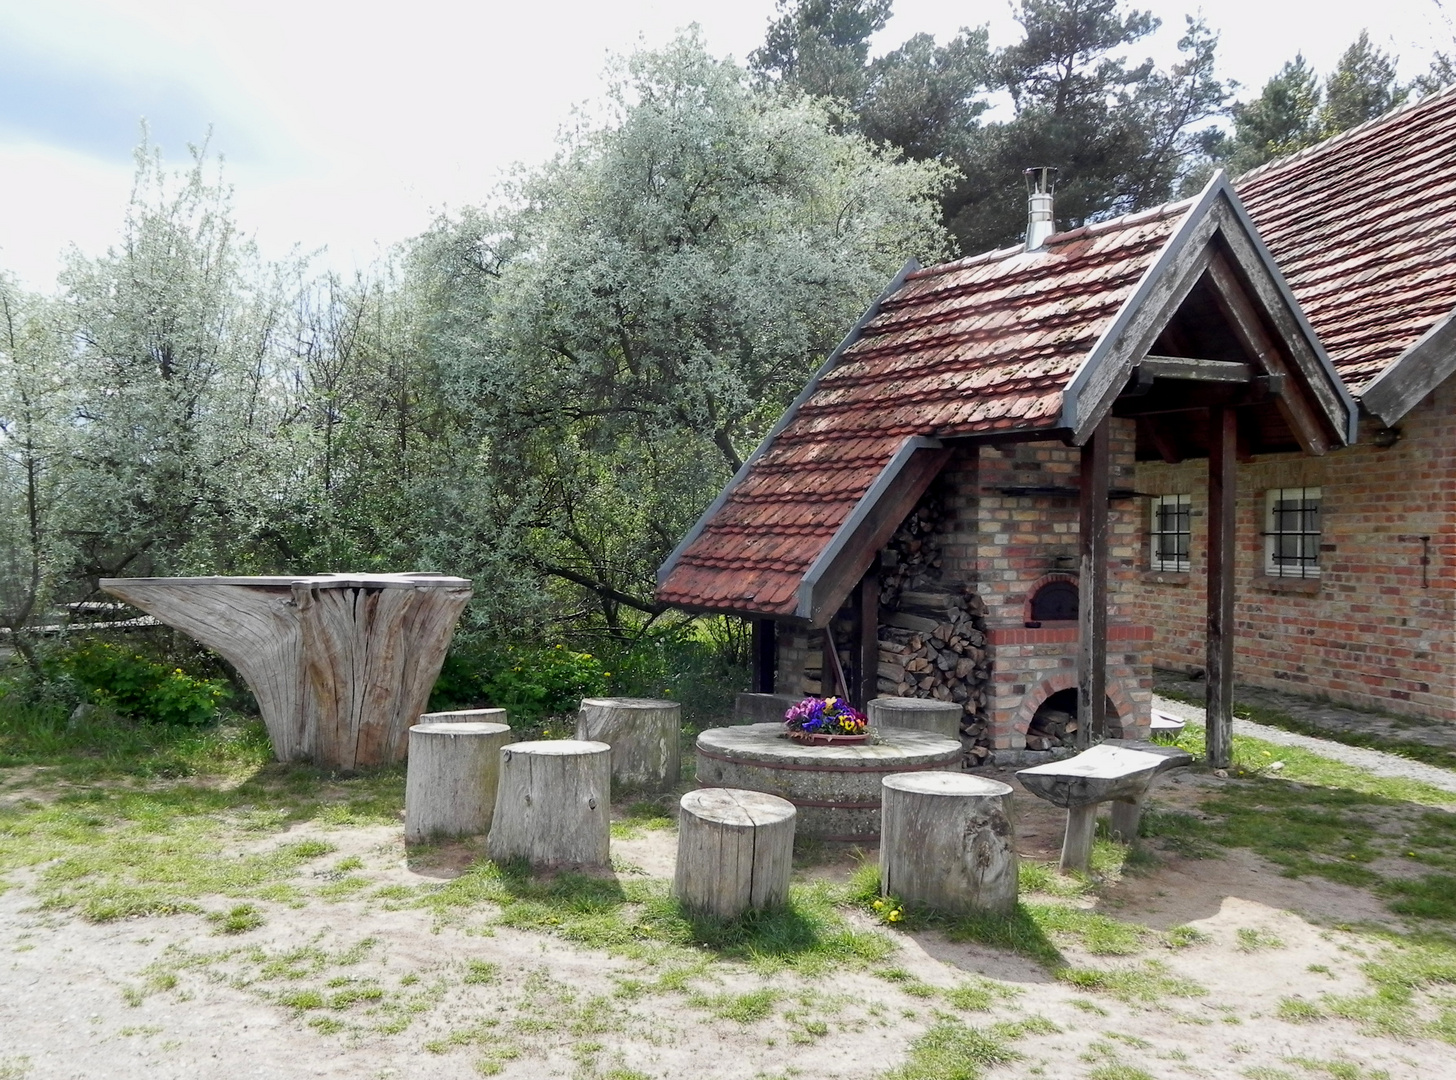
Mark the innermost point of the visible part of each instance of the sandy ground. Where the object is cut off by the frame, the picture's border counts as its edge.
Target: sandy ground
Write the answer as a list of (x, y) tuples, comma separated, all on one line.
[(80, 1000)]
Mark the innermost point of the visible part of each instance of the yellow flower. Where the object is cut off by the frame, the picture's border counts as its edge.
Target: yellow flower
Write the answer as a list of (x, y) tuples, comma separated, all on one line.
[(879, 904), (895, 915)]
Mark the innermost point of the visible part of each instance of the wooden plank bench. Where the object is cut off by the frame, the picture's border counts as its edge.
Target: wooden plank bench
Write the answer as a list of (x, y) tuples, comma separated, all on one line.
[(1115, 771)]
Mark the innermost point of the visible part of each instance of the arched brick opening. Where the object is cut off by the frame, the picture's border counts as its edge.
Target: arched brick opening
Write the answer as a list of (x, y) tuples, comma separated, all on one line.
[(1122, 706), (1037, 586)]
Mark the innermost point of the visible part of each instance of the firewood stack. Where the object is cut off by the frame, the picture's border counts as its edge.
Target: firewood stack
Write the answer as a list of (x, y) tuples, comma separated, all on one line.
[(911, 560), (1051, 728), (934, 646)]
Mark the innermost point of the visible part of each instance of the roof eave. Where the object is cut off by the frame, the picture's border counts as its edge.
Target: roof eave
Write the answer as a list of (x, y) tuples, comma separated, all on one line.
[(1413, 374)]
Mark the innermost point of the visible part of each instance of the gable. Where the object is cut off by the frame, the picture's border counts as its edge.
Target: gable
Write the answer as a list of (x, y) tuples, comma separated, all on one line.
[(1009, 344)]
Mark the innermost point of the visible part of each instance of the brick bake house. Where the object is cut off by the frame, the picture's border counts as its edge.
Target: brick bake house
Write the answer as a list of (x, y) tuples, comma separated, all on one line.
[(1345, 579), (950, 508)]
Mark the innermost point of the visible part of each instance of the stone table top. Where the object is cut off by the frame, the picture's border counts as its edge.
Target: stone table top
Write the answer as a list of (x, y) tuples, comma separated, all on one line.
[(889, 750)]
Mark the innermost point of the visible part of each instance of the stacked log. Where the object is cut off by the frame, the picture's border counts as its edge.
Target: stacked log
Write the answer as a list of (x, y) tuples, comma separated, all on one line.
[(1050, 728), (912, 559), (933, 645)]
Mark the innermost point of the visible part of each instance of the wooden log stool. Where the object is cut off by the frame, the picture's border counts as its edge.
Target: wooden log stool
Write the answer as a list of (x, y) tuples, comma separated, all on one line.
[(1114, 771), (947, 842), (552, 807), (645, 737), (465, 716), (451, 781), (735, 850), (918, 714)]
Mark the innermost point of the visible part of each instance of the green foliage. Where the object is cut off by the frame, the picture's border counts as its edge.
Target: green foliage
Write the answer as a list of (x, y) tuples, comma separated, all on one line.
[(531, 682), (136, 687)]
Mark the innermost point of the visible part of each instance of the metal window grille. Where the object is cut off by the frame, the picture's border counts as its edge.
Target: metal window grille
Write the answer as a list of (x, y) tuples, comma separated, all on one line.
[(1170, 533), (1292, 533)]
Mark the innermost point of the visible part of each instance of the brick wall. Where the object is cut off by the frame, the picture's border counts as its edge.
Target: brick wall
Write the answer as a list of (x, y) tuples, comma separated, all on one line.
[(1366, 632)]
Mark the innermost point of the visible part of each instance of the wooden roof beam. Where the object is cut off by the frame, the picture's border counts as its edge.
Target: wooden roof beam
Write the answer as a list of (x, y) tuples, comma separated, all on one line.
[(1248, 327), (1193, 370)]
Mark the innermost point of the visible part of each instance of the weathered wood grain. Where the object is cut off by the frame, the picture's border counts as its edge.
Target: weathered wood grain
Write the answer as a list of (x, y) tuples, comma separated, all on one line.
[(553, 807), (947, 842), (341, 665), (645, 735), (454, 770), (735, 852)]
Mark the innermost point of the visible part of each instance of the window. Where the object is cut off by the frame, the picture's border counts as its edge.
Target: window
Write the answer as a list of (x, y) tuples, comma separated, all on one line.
[(1170, 533), (1292, 532)]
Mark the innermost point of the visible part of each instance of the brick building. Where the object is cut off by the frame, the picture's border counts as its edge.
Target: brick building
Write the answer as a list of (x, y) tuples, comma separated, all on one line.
[(1360, 603), (1005, 399)]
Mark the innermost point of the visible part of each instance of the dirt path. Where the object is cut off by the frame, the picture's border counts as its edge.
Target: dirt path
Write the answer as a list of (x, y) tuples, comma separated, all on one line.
[(397, 995)]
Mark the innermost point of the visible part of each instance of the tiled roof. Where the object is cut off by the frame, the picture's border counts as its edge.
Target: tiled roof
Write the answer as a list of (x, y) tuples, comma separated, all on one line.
[(1363, 227), (979, 346)]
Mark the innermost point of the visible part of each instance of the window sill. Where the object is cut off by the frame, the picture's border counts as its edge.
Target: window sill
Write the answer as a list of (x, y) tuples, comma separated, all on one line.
[(1178, 578), (1270, 583)]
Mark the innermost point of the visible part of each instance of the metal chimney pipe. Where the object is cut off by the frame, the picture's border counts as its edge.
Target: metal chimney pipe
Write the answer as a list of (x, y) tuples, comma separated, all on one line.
[(1041, 220)]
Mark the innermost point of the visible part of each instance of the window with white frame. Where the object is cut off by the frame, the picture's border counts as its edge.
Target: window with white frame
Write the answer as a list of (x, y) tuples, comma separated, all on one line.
[(1169, 533), (1292, 532)]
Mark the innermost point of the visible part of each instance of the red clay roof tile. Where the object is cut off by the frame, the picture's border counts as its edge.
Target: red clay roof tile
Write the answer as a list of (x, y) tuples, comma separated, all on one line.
[(981, 345), (1363, 227)]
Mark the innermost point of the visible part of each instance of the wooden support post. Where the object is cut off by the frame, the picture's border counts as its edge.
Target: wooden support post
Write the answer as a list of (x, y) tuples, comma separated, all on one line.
[(1077, 843), (831, 680), (765, 655), (1219, 662), (1092, 592), (867, 677)]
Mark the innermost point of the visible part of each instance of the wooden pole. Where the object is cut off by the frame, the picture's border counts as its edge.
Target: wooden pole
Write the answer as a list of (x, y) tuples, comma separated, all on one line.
[(832, 682), (765, 655), (1092, 592), (869, 637), (1219, 663)]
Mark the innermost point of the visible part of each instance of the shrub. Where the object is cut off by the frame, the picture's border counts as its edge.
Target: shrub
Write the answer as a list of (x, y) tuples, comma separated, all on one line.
[(531, 681), (133, 686)]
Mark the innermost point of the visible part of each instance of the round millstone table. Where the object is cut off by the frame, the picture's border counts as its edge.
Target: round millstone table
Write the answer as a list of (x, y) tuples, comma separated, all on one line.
[(836, 789)]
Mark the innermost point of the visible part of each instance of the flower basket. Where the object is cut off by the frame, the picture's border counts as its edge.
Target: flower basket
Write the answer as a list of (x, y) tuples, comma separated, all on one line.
[(825, 722), (814, 739)]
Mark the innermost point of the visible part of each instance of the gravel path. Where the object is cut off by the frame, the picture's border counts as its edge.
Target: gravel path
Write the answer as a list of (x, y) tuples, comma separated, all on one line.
[(1374, 761)]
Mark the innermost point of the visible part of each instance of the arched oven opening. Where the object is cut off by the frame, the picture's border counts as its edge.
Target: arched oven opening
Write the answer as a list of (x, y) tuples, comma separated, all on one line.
[(1055, 722), (1055, 601)]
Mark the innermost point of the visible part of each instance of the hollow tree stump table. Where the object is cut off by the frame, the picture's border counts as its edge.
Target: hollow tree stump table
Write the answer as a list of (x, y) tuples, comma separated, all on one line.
[(341, 664), (836, 789), (1115, 771)]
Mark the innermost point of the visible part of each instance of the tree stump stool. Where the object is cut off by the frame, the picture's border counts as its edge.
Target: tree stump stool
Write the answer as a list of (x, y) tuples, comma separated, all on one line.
[(465, 716), (552, 807), (450, 785), (645, 737), (735, 850), (918, 714), (763, 708), (947, 842)]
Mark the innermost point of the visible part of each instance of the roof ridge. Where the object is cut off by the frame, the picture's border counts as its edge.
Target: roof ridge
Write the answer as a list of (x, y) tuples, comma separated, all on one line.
[(1092, 228), (1362, 128)]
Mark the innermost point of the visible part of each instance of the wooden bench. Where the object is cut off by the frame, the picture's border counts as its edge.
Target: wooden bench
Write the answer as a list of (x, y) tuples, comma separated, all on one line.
[(1115, 771)]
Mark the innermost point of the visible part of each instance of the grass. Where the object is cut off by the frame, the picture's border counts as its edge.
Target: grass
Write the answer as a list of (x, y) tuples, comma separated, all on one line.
[(1323, 818), (951, 1050), (1441, 757), (1146, 984)]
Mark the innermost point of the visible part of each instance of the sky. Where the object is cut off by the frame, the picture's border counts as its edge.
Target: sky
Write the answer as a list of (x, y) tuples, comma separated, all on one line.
[(346, 127)]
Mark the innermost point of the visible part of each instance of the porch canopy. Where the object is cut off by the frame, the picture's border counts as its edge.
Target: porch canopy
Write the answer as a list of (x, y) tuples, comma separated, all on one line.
[(1177, 316)]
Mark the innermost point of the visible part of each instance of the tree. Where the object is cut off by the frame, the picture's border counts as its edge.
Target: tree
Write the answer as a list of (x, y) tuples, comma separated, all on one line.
[(35, 427), (1120, 134), (631, 325), (821, 47), (1281, 120), (1362, 87), (174, 459)]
